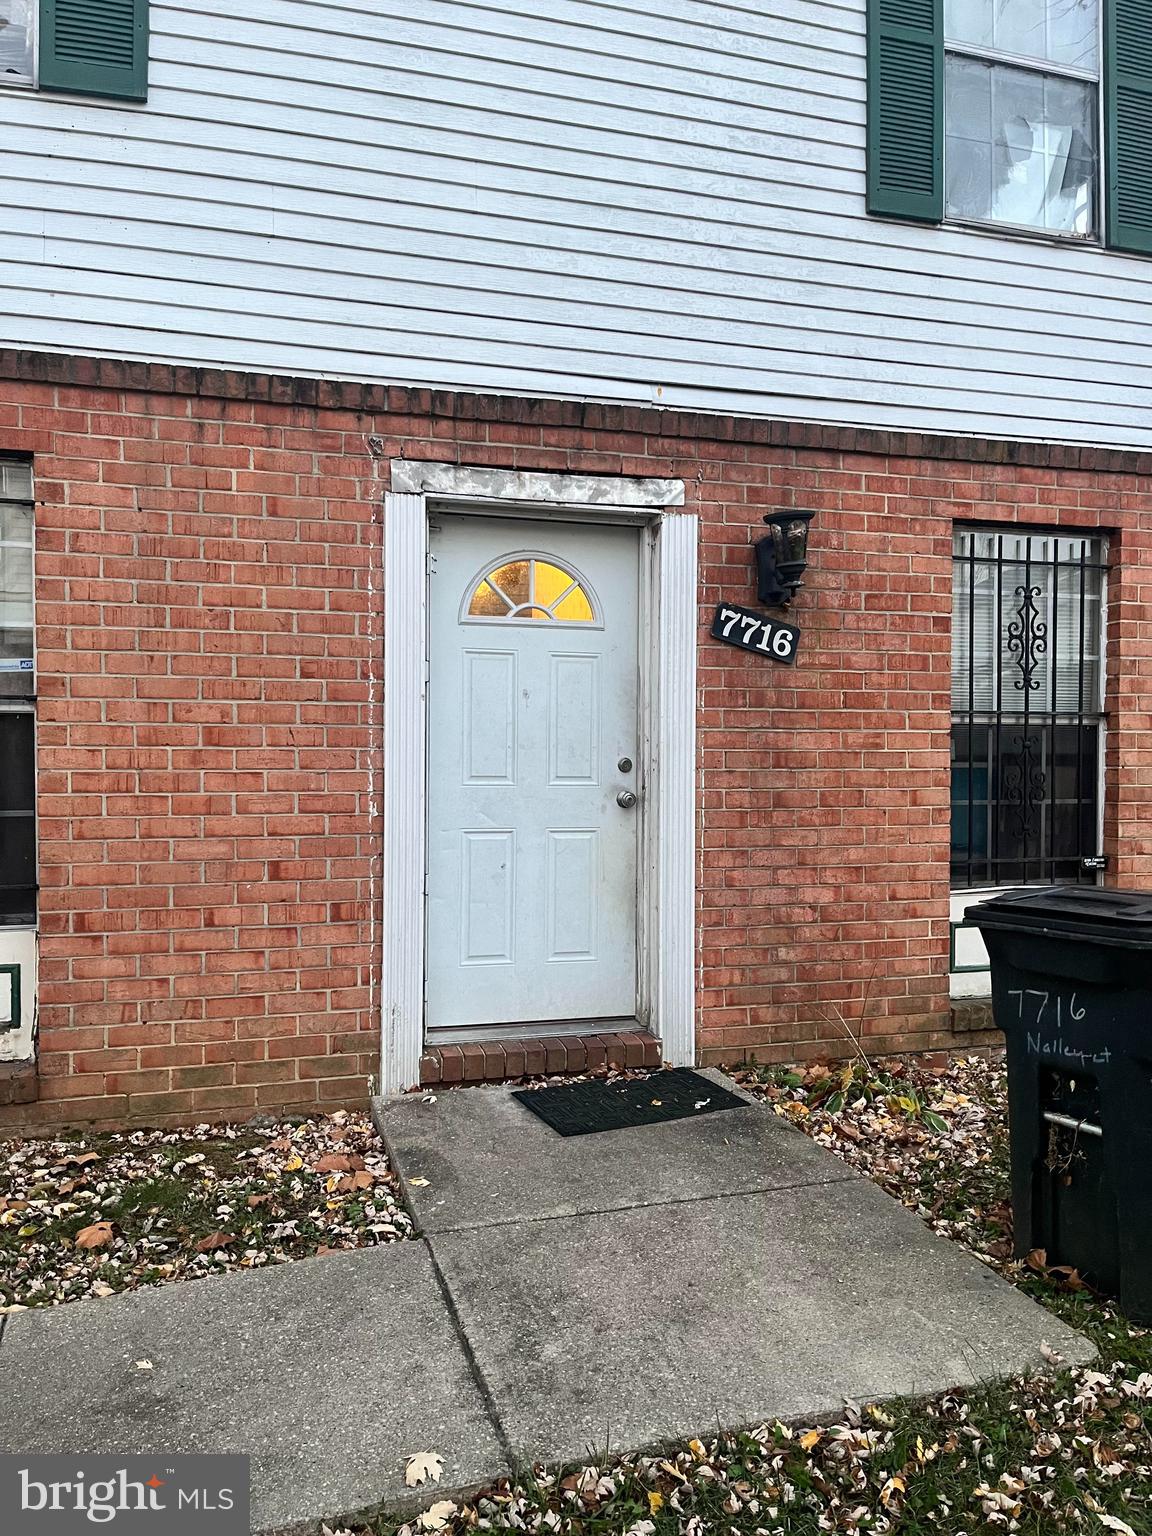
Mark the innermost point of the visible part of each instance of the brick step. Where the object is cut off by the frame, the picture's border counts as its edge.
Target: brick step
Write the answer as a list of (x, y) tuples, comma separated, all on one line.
[(497, 1061)]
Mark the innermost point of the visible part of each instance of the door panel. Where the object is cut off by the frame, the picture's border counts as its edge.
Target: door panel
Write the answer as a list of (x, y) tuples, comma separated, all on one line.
[(533, 697)]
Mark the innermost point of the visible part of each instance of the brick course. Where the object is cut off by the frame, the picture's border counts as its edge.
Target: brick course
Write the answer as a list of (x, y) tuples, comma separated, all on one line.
[(209, 602)]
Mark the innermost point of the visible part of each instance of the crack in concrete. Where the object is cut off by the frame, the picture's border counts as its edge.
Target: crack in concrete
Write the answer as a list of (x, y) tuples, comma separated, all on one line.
[(638, 1205), (486, 1394)]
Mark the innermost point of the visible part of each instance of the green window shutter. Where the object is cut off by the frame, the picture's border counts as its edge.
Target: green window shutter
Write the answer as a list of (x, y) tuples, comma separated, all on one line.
[(906, 108), (1128, 123), (95, 47)]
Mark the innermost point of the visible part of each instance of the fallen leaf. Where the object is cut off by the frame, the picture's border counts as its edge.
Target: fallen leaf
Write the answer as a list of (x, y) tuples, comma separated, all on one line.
[(1114, 1523), (655, 1503), (1050, 1354), (418, 1183), (98, 1235), (697, 1449), (143, 1365), (809, 1440), (424, 1465), (1037, 1260), (334, 1162), (257, 1200), (1065, 1275), (891, 1488), (215, 1240), (354, 1181), (437, 1516)]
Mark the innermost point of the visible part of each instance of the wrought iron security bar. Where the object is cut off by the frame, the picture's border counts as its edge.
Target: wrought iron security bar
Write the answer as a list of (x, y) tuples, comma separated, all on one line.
[(1027, 706)]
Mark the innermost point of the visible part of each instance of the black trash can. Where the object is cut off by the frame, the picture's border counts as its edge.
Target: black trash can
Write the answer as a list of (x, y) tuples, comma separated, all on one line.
[(1072, 991)]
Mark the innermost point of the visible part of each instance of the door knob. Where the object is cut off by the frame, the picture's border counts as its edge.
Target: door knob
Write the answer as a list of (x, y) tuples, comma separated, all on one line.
[(625, 799)]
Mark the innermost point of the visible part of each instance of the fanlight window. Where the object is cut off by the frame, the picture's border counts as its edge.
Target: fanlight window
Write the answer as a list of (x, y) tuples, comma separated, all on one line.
[(531, 589)]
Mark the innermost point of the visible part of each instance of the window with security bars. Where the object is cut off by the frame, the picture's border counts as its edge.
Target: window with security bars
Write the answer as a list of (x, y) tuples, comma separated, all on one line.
[(17, 699), (1027, 706)]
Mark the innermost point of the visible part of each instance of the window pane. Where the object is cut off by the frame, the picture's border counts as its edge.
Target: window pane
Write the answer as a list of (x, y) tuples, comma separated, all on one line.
[(1020, 147), (1026, 599), (17, 819), (17, 779), (16, 21), (15, 523), (1024, 805), (17, 869), (15, 586), (15, 475), (1055, 31)]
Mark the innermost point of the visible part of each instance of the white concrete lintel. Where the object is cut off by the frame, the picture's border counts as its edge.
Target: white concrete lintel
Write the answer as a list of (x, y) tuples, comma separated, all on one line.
[(474, 483)]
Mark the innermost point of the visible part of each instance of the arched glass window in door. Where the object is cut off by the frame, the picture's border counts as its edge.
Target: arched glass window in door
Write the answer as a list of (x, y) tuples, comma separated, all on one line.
[(530, 587)]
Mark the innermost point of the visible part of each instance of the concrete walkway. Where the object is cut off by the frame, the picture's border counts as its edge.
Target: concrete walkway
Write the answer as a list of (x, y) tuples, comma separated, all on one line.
[(568, 1295)]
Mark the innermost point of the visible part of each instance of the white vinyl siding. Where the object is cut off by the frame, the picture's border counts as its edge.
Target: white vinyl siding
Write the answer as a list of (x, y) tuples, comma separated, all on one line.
[(660, 203)]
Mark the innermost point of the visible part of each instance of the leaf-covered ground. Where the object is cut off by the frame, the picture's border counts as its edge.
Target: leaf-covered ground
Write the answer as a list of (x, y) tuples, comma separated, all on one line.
[(1068, 1452), (89, 1215)]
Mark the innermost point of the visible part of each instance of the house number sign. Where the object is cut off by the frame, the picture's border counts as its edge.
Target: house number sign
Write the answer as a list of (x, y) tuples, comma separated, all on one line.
[(752, 632)]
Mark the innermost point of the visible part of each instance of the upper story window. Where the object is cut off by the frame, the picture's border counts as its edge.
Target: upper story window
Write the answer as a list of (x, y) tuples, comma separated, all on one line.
[(17, 42), (82, 47), (1021, 107), (1029, 115)]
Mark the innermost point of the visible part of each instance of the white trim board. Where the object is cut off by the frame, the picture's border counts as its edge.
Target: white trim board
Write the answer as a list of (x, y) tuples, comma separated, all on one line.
[(667, 1001)]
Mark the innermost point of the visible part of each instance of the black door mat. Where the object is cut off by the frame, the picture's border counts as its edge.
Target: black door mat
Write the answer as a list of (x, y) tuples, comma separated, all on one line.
[(579, 1109)]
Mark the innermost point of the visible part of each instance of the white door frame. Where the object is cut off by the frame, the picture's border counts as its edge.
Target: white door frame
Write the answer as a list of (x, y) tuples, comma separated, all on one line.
[(669, 623)]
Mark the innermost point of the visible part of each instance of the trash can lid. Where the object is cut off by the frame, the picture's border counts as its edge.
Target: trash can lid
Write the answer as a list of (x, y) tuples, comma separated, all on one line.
[(1080, 911)]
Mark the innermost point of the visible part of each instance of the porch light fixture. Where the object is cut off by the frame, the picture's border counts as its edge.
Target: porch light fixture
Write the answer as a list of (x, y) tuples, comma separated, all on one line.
[(782, 558)]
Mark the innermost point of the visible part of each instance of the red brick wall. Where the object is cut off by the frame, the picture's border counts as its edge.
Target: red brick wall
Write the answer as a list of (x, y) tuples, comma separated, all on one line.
[(209, 602)]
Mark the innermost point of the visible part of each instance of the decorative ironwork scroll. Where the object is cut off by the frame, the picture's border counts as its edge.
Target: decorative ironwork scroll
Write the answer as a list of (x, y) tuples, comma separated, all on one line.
[(1027, 638)]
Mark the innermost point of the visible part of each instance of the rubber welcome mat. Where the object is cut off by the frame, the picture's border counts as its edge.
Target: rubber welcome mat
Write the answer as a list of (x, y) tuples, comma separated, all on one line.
[(579, 1109)]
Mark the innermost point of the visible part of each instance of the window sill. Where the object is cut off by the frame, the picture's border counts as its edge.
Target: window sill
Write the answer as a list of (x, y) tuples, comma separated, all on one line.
[(1025, 232)]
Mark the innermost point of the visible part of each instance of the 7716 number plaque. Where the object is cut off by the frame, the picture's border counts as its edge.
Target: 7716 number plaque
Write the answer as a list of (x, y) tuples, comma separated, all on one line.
[(753, 632)]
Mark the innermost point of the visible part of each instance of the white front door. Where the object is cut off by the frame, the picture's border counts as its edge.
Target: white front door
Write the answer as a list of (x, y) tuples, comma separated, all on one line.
[(533, 760)]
